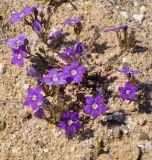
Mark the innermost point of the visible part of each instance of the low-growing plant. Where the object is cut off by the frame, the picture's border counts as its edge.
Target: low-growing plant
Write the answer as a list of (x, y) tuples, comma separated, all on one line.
[(66, 82)]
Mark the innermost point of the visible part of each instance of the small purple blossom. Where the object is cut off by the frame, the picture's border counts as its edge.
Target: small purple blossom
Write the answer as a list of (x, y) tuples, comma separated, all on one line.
[(68, 52), (16, 43), (94, 106), (78, 48), (128, 92), (70, 122), (37, 26), (116, 28), (18, 56), (34, 97), (127, 72), (31, 71), (54, 78), (74, 71), (20, 15), (72, 21), (39, 113), (55, 34)]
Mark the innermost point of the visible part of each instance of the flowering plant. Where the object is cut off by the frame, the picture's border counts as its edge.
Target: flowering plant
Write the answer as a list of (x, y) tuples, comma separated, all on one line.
[(62, 94)]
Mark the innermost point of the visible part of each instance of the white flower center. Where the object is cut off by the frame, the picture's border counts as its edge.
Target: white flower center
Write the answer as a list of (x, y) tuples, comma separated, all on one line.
[(55, 79), (70, 122), (95, 106), (19, 56), (34, 97), (128, 92), (73, 72)]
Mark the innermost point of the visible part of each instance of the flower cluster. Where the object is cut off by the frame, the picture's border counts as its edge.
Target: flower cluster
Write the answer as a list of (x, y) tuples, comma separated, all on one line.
[(56, 73)]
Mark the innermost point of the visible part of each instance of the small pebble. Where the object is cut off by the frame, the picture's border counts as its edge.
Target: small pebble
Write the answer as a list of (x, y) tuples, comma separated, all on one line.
[(146, 145), (138, 17), (144, 136), (2, 69), (117, 133), (2, 102), (135, 4), (125, 129), (143, 9), (124, 14)]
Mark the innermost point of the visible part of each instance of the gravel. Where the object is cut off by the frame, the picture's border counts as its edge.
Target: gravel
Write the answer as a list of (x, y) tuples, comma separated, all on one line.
[(127, 133)]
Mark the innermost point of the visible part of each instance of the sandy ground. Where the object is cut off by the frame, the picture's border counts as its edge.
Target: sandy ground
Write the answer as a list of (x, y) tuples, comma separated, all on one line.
[(124, 132)]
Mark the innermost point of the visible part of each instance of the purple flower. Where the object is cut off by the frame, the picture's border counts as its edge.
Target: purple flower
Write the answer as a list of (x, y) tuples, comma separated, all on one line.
[(20, 15), (72, 21), (18, 56), (34, 97), (70, 122), (116, 28), (16, 43), (128, 92), (78, 48), (16, 17), (55, 34), (36, 24), (74, 71), (31, 71), (128, 72), (94, 106), (54, 78), (69, 52), (39, 113)]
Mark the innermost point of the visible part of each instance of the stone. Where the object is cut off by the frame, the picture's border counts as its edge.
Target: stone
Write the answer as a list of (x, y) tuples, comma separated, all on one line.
[(135, 3), (147, 145), (124, 14), (2, 102), (2, 125), (143, 9), (125, 129), (2, 69), (117, 133), (144, 136), (138, 17)]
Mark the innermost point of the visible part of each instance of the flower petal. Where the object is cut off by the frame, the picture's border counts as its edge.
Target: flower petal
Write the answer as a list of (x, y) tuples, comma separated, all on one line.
[(87, 109), (81, 70), (62, 124), (74, 116), (90, 100), (98, 100), (102, 108), (74, 64), (78, 124), (77, 79), (66, 115), (95, 113)]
